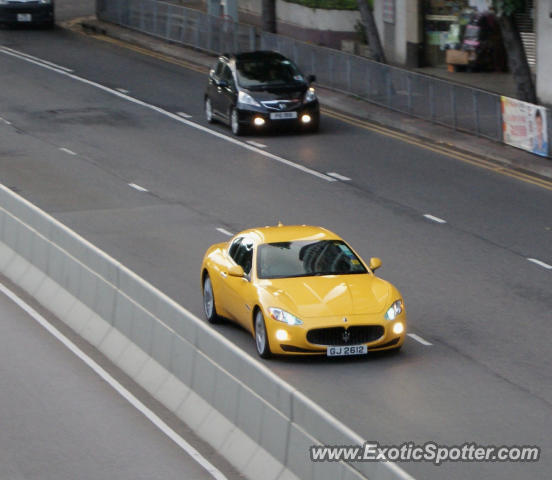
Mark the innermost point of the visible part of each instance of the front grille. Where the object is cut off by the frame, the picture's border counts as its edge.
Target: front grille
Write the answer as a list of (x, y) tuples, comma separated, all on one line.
[(340, 336), (281, 105)]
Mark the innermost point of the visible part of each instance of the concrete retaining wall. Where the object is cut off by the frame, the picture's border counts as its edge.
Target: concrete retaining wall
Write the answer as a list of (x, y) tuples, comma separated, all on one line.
[(258, 422)]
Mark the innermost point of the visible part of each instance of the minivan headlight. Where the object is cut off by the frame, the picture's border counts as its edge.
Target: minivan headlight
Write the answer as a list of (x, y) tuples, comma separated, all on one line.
[(394, 310), (247, 99), (310, 96)]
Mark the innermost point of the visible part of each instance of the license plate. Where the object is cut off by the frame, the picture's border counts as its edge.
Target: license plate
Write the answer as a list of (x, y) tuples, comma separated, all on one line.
[(283, 115), (349, 350), (24, 17)]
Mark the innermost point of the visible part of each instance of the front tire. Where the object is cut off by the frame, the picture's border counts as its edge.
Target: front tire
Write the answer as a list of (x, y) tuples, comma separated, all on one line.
[(209, 301), (237, 129), (209, 110), (261, 336)]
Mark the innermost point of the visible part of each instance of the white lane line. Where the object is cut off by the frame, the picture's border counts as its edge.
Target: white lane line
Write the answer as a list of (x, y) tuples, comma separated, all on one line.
[(184, 114), (137, 187), (152, 417), (122, 90), (46, 62), (434, 219), (271, 156), (3, 120), (225, 232), (339, 177), (419, 339), (256, 144), (66, 150), (541, 264)]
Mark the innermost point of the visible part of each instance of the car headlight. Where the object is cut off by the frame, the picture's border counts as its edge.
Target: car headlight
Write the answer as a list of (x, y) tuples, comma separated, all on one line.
[(394, 310), (284, 317), (247, 99), (310, 96)]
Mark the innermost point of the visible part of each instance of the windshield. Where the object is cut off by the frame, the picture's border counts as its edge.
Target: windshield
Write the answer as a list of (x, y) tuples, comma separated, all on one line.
[(306, 258), (269, 71)]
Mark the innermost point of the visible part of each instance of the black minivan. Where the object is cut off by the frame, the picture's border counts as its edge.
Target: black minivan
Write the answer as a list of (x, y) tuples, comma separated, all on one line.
[(27, 12), (253, 90)]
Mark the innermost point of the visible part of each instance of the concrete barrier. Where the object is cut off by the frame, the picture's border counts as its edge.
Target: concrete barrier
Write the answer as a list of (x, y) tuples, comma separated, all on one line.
[(261, 424)]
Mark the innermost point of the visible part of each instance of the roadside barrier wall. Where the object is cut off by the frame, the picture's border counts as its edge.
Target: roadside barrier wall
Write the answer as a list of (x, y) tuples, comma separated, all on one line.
[(261, 424)]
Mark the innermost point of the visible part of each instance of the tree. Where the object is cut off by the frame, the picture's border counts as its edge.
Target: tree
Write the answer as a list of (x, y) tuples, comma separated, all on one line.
[(269, 16), (367, 16), (517, 60)]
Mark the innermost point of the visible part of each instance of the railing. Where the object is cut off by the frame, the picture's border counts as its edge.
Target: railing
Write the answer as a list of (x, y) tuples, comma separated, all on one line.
[(179, 24), (439, 101)]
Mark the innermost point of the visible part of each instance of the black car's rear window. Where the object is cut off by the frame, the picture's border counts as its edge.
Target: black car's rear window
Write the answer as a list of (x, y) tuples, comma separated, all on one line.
[(306, 258), (269, 71)]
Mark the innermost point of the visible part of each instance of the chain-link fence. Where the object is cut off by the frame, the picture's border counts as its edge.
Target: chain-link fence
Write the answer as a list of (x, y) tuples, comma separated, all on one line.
[(178, 24), (439, 101)]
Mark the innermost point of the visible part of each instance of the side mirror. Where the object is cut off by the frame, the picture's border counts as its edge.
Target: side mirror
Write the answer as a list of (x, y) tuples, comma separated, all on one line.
[(222, 83), (311, 78), (236, 271), (375, 263)]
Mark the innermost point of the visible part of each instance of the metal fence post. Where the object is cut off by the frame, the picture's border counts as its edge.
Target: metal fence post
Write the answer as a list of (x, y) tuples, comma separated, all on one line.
[(432, 101), (209, 32), (499, 129), (349, 82), (453, 105), (142, 20), (476, 110), (169, 19), (409, 93), (182, 18), (154, 30)]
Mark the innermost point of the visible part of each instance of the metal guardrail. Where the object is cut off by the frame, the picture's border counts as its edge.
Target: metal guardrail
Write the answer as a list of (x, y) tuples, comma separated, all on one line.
[(179, 24), (438, 101)]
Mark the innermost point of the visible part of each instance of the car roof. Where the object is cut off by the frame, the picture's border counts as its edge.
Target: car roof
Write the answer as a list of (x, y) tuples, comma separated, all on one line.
[(256, 55), (287, 233)]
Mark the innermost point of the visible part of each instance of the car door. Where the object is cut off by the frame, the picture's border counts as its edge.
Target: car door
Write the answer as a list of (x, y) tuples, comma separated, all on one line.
[(241, 294), (213, 88), (226, 92)]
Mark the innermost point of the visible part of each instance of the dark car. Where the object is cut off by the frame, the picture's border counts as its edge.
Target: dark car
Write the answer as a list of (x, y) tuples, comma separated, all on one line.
[(27, 12), (254, 90)]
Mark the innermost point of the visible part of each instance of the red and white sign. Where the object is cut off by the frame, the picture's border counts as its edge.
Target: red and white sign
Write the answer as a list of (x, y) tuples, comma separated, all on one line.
[(524, 126)]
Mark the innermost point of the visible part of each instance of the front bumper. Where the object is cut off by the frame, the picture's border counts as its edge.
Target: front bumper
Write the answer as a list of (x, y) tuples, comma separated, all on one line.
[(297, 336), (27, 13), (248, 113)]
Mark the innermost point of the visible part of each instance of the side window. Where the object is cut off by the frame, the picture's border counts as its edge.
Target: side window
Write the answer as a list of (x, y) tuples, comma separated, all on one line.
[(232, 251), (244, 255), (218, 68), (227, 75)]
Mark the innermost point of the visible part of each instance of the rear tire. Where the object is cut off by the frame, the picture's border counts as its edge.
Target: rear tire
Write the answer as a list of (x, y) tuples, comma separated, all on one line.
[(261, 336), (209, 301)]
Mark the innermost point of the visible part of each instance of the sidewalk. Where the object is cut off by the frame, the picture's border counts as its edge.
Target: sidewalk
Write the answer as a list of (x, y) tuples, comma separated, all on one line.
[(497, 153)]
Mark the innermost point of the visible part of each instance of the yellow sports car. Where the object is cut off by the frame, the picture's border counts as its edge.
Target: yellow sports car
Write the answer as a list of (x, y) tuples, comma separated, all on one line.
[(302, 290)]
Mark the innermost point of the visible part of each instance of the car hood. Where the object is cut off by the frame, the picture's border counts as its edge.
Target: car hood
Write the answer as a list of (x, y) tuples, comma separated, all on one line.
[(278, 93), (330, 295)]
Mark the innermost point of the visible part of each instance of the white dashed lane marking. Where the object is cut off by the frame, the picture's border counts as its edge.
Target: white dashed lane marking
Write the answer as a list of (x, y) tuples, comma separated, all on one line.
[(339, 177), (540, 264), (225, 232), (434, 219), (67, 151), (137, 187), (419, 339)]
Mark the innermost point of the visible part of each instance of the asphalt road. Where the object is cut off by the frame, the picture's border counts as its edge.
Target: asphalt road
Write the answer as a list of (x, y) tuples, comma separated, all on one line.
[(60, 420), (468, 286)]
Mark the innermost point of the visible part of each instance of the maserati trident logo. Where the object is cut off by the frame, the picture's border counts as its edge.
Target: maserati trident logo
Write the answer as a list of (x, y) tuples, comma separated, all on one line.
[(344, 319), (346, 336)]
